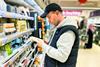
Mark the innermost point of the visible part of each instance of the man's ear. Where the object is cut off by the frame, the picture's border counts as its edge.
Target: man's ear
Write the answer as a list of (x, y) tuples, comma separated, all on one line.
[(57, 12)]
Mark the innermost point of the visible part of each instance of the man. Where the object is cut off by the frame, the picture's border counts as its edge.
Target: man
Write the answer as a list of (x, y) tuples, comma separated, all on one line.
[(63, 45)]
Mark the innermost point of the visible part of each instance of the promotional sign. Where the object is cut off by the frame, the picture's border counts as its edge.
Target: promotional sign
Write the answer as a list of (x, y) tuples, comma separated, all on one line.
[(72, 12)]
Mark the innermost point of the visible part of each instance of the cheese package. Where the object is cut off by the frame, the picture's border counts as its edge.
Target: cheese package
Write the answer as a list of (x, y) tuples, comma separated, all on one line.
[(8, 25), (21, 26), (9, 28)]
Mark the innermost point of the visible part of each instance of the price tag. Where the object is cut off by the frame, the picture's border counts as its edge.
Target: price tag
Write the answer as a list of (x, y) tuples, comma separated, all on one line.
[(4, 40), (3, 14), (8, 15)]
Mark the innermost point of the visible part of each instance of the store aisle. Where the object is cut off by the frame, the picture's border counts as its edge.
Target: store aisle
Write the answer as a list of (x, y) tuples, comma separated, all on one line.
[(89, 57)]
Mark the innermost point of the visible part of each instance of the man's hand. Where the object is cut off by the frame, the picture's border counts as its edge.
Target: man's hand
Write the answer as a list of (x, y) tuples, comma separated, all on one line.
[(40, 42)]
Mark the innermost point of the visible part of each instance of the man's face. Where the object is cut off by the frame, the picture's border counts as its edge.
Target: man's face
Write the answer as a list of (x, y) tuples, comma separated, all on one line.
[(53, 18)]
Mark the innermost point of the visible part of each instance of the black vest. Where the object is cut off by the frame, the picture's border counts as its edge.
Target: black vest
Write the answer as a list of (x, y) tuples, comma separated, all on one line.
[(72, 59)]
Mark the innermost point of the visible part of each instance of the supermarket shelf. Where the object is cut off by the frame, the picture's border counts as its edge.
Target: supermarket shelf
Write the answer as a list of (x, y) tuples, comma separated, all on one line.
[(97, 25), (10, 59), (41, 3), (14, 15), (26, 58), (7, 58), (29, 56), (42, 56), (20, 3), (23, 58), (11, 37), (33, 59), (36, 6)]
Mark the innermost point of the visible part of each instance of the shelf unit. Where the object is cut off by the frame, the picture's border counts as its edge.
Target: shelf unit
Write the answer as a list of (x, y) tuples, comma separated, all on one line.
[(41, 3), (27, 57), (27, 52), (10, 59), (11, 37), (97, 25), (20, 3), (14, 15), (36, 6)]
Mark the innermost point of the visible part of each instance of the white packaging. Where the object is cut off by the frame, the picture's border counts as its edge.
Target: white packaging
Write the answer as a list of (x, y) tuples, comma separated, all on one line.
[(3, 5), (27, 12), (21, 10)]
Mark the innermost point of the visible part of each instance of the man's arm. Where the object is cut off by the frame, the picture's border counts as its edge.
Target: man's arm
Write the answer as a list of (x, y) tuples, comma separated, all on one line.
[(64, 46)]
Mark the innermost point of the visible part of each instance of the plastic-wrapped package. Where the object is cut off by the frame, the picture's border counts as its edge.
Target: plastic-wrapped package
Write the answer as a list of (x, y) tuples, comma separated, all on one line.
[(27, 12), (11, 8), (21, 26), (23, 11), (3, 5), (9, 28)]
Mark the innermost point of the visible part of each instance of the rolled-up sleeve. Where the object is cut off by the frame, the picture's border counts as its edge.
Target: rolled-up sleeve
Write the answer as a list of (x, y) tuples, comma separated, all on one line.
[(64, 46)]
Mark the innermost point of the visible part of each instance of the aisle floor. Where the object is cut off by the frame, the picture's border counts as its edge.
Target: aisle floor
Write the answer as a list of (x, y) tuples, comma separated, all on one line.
[(89, 57)]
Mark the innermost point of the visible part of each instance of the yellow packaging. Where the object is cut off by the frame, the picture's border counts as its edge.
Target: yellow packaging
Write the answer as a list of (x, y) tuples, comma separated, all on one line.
[(21, 26)]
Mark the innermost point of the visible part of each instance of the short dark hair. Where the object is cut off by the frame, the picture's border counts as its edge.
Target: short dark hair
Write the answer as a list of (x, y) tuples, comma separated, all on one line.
[(51, 7)]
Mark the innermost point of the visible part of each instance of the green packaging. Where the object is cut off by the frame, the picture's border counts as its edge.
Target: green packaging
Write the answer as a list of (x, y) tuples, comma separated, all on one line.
[(8, 49)]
